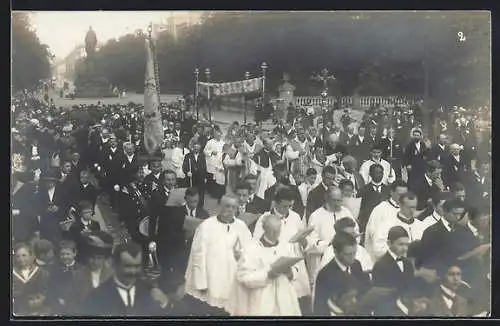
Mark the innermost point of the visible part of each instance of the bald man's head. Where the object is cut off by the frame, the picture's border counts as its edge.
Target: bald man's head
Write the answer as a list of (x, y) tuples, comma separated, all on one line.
[(271, 224)]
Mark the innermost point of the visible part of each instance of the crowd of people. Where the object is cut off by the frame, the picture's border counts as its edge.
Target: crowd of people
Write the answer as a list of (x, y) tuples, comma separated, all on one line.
[(342, 218)]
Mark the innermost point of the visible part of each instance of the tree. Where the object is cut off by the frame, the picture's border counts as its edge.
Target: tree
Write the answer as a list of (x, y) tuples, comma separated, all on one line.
[(30, 58)]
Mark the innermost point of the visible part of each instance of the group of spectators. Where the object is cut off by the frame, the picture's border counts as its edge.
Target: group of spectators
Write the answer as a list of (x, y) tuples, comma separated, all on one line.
[(343, 218)]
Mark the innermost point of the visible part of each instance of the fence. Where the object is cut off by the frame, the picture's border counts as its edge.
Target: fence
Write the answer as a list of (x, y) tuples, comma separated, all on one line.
[(365, 101)]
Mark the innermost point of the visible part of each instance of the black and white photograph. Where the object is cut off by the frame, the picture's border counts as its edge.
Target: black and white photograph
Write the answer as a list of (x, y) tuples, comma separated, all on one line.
[(332, 164)]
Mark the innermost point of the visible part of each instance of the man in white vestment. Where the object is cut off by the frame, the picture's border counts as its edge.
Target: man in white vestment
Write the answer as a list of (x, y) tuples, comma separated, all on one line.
[(323, 221), (291, 224), (404, 218), (259, 290), (213, 154), (383, 213), (216, 247)]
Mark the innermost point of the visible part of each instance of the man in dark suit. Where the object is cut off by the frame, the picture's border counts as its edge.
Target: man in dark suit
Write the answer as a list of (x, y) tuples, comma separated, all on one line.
[(360, 146), (341, 269), (429, 186), (414, 157), (393, 270), (479, 191), (371, 195), (457, 166), (446, 302), (256, 205), (439, 152), (126, 294), (124, 166), (107, 155), (446, 240), (156, 176), (52, 207), (84, 190), (159, 199), (394, 156), (316, 197), (174, 243), (83, 227), (283, 179), (195, 169)]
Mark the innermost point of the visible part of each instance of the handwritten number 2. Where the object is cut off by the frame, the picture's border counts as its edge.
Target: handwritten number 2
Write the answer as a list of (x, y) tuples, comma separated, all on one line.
[(461, 36)]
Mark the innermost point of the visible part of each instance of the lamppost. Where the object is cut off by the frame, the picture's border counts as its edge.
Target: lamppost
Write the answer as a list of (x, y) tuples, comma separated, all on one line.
[(247, 76), (264, 67), (324, 76), (196, 79), (207, 75)]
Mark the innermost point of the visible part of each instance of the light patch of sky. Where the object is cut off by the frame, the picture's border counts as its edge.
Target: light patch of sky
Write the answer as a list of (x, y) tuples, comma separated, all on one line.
[(63, 31)]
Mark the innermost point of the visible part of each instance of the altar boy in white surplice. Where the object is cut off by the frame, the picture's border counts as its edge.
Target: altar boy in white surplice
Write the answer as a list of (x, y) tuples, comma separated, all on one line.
[(216, 247), (291, 224), (260, 288)]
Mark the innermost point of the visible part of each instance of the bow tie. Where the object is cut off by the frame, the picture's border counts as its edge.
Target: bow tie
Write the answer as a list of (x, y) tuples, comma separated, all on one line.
[(399, 259)]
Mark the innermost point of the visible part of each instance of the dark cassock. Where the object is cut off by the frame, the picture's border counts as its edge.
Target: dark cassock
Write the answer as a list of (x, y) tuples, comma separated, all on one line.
[(315, 199), (371, 195), (174, 245), (24, 216), (266, 158), (196, 165)]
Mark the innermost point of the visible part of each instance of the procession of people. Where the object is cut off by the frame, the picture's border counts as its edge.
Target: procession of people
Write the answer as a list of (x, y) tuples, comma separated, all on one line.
[(329, 218)]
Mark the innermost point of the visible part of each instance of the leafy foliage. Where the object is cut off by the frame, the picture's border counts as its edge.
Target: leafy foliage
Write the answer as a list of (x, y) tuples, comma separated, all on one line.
[(30, 58), (373, 53)]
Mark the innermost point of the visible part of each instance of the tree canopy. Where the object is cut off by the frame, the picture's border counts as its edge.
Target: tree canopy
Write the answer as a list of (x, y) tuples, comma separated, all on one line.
[(372, 53), (30, 58)]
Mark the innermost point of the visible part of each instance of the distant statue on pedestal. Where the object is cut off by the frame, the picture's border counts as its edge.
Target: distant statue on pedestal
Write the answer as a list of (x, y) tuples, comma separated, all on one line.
[(286, 91), (90, 42)]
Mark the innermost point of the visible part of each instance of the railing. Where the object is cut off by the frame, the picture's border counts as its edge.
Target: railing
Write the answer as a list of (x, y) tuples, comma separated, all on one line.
[(364, 101)]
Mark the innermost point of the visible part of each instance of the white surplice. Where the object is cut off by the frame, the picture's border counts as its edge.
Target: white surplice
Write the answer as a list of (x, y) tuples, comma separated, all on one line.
[(378, 236), (213, 161), (211, 263), (253, 293), (380, 215), (323, 222), (289, 227)]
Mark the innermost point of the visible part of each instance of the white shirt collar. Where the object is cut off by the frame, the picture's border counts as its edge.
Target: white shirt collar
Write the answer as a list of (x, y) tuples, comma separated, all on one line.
[(429, 180), (86, 223), (472, 228), (193, 211), (122, 291), (71, 264), (436, 216), (446, 224), (402, 307), (130, 157), (341, 265), (393, 255), (441, 146), (448, 291)]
